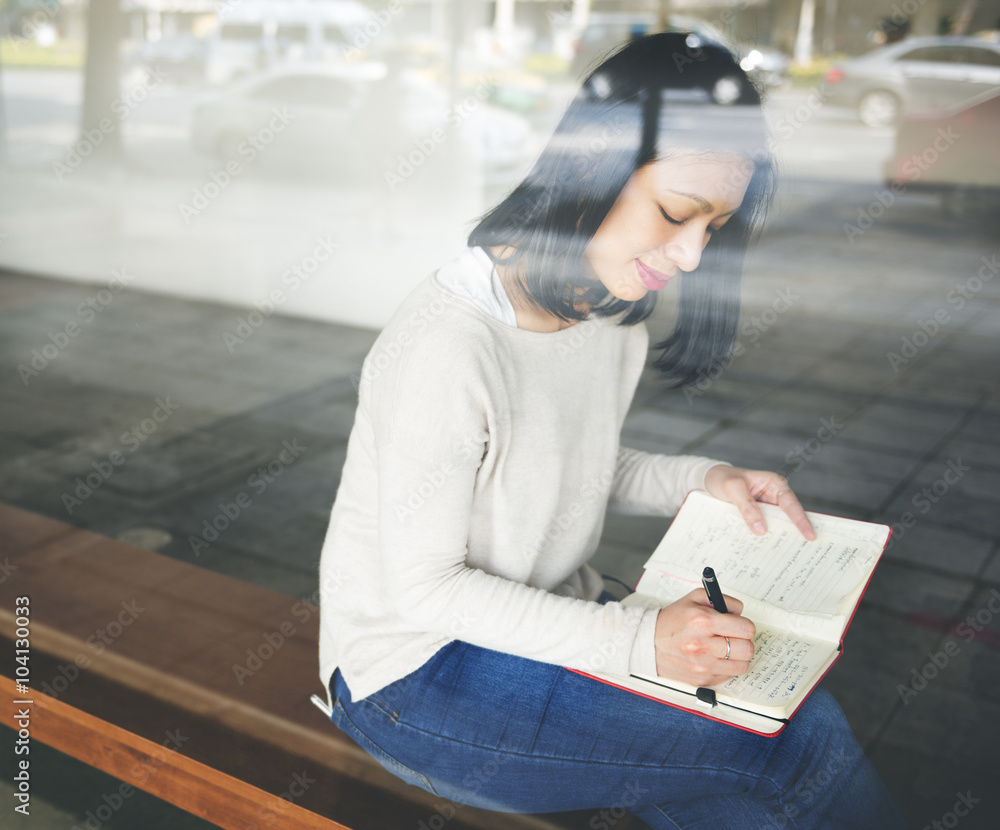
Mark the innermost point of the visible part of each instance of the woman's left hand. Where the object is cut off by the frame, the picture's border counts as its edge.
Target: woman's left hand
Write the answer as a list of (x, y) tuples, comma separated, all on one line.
[(745, 488)]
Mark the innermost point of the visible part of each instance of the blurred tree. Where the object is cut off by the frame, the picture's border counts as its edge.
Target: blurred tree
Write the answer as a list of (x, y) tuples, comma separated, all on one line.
[(804, 37), (663, 16), (101, 79)]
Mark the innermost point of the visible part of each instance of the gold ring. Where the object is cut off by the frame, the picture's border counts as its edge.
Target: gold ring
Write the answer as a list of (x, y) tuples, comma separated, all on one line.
[(729, 648)]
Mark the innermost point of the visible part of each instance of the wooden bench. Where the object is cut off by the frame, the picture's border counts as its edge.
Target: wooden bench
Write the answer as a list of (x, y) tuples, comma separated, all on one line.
[(131, 646)]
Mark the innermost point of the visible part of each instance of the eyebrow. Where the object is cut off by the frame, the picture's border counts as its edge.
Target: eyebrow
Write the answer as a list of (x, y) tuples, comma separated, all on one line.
[(704, 204)]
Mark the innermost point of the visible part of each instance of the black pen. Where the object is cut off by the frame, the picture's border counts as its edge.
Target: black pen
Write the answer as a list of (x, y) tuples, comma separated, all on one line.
[(713, 590)]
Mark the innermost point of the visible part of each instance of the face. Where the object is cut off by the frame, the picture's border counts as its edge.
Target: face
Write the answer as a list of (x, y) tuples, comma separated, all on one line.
[(663, 220)]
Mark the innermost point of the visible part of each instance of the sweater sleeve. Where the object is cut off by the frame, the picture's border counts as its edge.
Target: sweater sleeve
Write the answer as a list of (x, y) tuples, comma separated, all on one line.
[(653, 484), (428, 417), (422, 546)]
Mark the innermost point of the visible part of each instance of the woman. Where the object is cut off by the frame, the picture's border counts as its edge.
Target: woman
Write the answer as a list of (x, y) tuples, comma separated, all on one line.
[(455, 588)]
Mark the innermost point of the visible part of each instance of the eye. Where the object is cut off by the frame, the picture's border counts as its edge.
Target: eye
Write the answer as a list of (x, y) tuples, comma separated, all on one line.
[(670, 218)]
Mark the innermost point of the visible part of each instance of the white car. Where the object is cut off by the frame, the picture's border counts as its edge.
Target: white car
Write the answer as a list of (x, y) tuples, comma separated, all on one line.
[(330, 108)]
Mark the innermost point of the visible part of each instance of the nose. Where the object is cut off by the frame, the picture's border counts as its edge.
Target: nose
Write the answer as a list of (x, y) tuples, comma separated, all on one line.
[(684, 247)]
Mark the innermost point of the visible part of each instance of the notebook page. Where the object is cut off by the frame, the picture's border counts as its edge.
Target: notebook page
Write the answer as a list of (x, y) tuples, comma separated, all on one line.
[(782, 664), (781, 568), (656, 589)]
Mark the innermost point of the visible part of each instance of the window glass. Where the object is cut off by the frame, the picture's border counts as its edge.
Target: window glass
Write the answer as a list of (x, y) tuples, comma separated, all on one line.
[(935, 54), (980, 57)]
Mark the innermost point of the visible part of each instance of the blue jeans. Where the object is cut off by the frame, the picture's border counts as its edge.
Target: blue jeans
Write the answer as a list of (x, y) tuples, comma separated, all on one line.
[(493, 730)]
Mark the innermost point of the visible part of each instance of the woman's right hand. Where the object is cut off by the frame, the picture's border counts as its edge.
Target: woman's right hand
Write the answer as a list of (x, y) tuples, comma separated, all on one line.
[(691, 637)]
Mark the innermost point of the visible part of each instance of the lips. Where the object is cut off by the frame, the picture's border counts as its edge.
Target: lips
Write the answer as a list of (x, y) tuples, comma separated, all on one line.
[(654, 280)]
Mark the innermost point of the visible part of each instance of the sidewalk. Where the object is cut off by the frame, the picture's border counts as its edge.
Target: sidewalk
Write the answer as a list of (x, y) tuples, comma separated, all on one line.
[(867, 371)]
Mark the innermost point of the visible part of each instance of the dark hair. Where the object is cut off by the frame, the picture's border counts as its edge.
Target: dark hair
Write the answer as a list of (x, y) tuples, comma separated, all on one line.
[(646, 99)]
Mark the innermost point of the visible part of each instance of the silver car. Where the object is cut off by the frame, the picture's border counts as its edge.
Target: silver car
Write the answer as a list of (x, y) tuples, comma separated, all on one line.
[(920, 73)]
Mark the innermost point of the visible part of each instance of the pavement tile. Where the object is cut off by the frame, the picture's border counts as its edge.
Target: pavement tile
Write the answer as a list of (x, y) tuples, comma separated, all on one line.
[(783, 419), (187, 459), (866, 713), (906, 590), (954, 727), (992, 572), (331, 419), (947, 550), (836, 488), (946, 388), (725, 397), (926, 788), (821, 400), (652, 423), (914, 413), (770, 365), (979, 453), (836, 457), (968, 657), (857, 377), (868, 433)]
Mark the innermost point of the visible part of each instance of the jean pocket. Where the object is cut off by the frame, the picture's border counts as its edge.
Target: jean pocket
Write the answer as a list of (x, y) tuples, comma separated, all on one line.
[(400, 770)]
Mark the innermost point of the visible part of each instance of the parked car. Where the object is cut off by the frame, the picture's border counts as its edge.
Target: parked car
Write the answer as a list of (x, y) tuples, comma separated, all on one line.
[(607, 30), (918, 73), (331, 106), (954, 153)]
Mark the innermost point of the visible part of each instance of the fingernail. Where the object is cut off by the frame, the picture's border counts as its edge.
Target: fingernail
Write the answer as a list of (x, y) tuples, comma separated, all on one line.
[(759, 527)]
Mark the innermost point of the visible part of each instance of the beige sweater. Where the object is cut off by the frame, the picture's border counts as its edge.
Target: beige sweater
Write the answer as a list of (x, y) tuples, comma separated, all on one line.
[(479, 467)]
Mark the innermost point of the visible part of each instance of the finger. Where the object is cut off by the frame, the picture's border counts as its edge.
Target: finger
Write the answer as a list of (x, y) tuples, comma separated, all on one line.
[(733, 605), (733, 625), (788, 502), (739, 650), (751, 513)]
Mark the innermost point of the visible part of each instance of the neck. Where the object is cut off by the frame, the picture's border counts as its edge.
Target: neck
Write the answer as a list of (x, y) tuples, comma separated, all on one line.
[(528, 313)]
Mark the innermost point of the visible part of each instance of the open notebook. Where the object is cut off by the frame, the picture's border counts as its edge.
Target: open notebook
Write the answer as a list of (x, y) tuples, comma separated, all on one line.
[(800, 595)]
